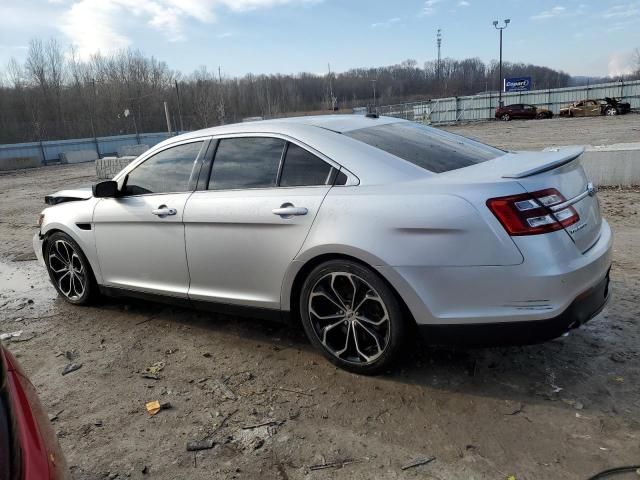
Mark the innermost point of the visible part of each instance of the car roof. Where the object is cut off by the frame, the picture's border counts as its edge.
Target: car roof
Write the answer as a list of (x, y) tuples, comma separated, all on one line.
[(336, 123), (322, 133)]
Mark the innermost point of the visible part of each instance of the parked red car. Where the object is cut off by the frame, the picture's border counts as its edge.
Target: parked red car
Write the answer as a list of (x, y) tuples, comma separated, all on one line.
[(522, 111), (29, 448)]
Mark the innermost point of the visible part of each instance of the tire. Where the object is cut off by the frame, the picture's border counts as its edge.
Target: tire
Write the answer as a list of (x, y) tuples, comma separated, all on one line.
[(358, 334), (542, 116), (69, 270), (611, 112), (505, 117)]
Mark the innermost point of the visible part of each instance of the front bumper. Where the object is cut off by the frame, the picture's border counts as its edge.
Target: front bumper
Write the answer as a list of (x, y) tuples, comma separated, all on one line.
[(581, 310), (37, 248)]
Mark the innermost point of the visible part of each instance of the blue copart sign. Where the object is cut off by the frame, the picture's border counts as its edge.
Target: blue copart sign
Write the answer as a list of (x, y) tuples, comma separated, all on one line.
[(518, 84)]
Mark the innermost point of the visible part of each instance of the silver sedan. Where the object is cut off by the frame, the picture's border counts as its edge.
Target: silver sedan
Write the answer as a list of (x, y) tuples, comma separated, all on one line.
[(364, 229)]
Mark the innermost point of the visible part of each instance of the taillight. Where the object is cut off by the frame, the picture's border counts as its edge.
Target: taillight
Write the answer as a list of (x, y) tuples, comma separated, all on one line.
[(532, 213)]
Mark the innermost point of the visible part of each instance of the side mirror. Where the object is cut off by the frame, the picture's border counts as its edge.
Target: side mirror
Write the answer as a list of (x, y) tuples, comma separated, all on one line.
[(106, 189)]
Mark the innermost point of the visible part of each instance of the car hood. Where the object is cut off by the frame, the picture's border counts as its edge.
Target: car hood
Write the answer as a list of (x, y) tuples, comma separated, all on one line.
[(62, 196)]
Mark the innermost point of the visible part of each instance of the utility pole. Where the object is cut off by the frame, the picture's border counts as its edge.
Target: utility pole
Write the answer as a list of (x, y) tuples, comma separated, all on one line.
[(373, 84), (94, 120), (332, 99), (439, 44), (500, 29), (179, 108), (166, 115)]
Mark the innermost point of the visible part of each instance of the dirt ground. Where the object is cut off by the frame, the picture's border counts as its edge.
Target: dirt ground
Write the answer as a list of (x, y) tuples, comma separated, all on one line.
[(276, 409), (537, 134)]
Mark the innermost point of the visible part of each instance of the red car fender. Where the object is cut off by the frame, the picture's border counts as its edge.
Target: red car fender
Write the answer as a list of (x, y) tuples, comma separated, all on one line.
[(39, 449)]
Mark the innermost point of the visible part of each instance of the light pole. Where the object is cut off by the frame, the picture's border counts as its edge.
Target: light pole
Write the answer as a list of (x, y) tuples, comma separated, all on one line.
[(506, 24)]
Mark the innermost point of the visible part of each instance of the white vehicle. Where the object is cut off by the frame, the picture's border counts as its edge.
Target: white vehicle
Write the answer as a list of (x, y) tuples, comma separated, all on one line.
[(360, 227)]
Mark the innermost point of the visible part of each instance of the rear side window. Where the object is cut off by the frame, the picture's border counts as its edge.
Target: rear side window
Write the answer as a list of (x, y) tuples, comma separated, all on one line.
[(246, 162), (167, 171), (302, 168), (426, 147)]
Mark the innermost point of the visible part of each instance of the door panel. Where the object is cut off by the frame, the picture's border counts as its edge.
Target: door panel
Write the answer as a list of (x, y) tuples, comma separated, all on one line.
[(238, 249), (142, 250)]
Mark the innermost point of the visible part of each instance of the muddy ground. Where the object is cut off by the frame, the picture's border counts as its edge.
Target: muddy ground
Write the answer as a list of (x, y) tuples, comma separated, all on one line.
[(562, 410)]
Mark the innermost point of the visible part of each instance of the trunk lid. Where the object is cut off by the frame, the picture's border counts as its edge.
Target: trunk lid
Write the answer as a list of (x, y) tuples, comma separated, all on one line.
[(560, 168)]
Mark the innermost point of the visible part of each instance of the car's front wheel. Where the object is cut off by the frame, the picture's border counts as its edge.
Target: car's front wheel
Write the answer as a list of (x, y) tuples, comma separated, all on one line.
[(352, 316), (610, 112), (505, 117), (69, 269)]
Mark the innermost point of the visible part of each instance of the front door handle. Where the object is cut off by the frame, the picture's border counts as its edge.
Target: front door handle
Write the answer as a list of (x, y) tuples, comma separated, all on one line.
[(163, 211), (288, 210)]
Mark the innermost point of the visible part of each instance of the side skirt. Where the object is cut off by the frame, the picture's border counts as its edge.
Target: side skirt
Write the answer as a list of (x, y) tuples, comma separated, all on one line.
[(224, 308)]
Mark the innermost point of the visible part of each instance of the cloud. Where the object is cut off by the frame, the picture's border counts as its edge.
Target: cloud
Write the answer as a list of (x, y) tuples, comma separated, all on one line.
[(386, 23), (622, 11), (429, 7), (554, 12), (95, 25), (463, 3)]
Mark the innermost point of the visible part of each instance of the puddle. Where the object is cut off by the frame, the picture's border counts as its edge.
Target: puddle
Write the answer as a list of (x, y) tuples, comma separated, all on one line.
[(24, 287)]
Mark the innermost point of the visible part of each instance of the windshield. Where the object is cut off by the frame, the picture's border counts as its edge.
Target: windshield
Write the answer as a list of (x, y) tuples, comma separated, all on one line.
[(426, 147)]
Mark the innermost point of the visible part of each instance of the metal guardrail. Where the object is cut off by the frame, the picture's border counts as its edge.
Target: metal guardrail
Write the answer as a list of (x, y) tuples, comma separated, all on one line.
[(483, 106)]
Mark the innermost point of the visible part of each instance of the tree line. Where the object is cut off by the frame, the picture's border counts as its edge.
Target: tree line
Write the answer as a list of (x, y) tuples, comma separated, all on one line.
[(55, 95)]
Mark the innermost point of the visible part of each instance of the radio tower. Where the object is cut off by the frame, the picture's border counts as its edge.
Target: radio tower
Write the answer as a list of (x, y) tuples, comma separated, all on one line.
[(439, 43)]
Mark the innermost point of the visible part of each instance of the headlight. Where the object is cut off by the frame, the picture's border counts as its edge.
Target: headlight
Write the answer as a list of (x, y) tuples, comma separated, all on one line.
[(40, 220)]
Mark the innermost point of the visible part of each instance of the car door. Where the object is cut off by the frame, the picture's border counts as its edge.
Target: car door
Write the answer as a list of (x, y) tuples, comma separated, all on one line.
[(140, 235), (517, 111), (578, 110), (592, 108), (528, 111), (244, 230)]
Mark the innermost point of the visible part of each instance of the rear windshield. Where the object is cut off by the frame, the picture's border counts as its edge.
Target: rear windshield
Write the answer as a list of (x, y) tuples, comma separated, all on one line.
[(426, 147)]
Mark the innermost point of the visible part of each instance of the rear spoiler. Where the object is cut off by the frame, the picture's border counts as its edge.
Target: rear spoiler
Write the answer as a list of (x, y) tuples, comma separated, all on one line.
[(544, 161)]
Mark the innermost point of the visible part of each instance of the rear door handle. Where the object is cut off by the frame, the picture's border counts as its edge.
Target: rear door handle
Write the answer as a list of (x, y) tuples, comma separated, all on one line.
[(163, 211), (288, 210)]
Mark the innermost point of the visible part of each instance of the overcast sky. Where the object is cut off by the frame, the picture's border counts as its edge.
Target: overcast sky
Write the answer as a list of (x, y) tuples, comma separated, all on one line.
[(581, 37)]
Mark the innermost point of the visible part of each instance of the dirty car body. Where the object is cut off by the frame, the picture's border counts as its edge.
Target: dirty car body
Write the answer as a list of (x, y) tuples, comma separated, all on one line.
[(594, 108), (29, 448), (342, 219), (522, 111)]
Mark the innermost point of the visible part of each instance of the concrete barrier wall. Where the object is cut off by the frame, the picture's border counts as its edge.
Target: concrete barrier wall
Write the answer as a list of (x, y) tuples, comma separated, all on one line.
[(78, 156), (15, 163), (132, 150), (49, 151), (613, 165)]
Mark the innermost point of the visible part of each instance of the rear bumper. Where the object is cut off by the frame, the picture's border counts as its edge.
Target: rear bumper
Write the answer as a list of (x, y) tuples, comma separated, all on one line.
[(582, 309)]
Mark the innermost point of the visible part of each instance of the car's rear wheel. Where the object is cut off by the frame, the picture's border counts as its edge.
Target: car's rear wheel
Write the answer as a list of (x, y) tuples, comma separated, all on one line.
[(352, 316), (69, 269), (505, 117), (610, 112)]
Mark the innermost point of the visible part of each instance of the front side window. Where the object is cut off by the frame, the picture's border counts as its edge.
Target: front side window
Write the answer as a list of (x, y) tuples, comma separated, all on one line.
[(246, 162), (167, 171), (426, 147), (302, 168)]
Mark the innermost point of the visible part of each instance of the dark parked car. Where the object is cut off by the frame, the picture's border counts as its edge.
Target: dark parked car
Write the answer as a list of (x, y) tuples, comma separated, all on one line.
[(593, 108), (29, 448), (523, 111)]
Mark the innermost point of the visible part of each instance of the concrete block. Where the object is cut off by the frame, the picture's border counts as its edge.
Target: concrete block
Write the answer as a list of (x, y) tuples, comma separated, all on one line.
[(132, 150), (17, 163), (78, 156), (613, 165), (109, 167)]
